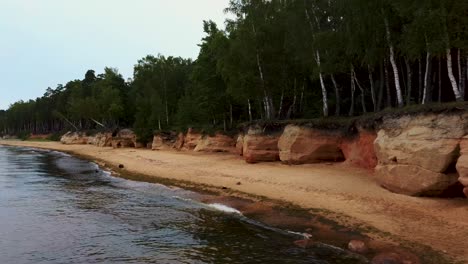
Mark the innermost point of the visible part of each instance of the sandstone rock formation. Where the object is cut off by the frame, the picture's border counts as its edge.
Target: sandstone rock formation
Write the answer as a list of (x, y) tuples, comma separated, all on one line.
[(300, 145), (191, 139), (259, 147), (179, 141), (125, 138), (74, 138), (359, 150), (216, 143), (462, 164), (416, 153), (101, 140), (163, 141), (240, 145)]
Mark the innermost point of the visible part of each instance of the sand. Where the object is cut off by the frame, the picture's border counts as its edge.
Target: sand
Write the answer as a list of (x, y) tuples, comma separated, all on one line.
[(441, 224)]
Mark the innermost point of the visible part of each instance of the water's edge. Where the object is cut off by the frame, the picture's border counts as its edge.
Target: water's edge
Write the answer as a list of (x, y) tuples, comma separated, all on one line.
[(265, 212)]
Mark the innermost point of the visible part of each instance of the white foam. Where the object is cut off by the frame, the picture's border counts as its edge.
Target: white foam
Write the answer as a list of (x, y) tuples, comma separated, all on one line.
[(224, 208)]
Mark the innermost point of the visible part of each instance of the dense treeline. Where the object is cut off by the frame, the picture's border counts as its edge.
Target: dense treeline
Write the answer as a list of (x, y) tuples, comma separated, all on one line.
[(276, 59)]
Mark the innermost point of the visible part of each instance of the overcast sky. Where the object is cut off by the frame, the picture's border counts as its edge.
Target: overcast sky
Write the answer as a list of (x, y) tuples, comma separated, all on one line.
[(47, 42)]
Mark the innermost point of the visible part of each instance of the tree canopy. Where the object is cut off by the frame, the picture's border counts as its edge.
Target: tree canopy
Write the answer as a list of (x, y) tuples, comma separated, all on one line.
[(275, 59)]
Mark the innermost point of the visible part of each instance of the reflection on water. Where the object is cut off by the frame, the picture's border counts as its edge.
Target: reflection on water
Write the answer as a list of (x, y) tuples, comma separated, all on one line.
[(55, 208)]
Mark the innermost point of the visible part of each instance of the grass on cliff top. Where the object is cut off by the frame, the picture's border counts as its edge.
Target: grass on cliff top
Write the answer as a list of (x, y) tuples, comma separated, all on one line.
[(369, 121)]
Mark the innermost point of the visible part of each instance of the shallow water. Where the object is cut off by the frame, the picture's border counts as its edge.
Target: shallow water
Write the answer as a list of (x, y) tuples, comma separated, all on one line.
[(55, 208)]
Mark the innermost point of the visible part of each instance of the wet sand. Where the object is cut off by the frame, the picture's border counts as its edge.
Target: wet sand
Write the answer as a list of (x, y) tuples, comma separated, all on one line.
[(342, 193)]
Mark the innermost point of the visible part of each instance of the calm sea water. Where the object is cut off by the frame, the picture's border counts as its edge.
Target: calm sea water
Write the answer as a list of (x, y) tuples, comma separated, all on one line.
[(55, 208)]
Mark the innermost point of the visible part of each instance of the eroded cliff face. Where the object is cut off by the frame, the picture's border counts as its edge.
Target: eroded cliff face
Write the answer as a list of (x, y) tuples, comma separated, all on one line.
[(462, 164), (216, 143), (74, 138), (417, 154), (359, 149), (301, 145), (259, 146), (125, 138)]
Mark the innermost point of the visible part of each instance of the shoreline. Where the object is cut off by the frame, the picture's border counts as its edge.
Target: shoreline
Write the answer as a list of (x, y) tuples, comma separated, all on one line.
[(338, 192)]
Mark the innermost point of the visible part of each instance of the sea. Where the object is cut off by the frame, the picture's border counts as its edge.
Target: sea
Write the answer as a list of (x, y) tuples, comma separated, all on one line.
[(56, 208)]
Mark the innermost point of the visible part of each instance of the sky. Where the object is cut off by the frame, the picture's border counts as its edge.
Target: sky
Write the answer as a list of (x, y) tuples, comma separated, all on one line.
[(48, 42)]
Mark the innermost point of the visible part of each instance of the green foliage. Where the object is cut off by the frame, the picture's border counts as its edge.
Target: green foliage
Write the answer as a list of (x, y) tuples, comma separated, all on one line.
[(265, 66)]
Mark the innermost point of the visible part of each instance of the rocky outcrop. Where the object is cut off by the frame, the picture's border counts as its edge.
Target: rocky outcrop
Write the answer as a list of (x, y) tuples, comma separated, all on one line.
[(101, 140), (240, 145), (191, 139), (359, 150), (179, 141), (462, 165), (300, 145), (259, 147), (416, 153), (163, 141), (74, 138), (216, 143), (125, 138)]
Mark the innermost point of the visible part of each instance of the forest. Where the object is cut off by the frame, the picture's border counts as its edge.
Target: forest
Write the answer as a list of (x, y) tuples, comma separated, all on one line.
[(275, 60)]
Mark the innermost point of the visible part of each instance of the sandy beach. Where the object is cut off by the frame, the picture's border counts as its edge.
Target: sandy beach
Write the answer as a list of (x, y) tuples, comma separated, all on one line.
[(441, 224)]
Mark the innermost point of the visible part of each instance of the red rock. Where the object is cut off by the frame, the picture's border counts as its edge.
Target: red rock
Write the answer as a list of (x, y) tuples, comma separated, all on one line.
[(191, 139), (240, 145), (399, 257), (300, 145), (216, 143), (304, 243), (260, 148), (74, 138), (387, 258), (358, 246), (179, 142), (413, 180), (415, 153), (125, 138), (359, 151), (462, 165), (161, 142)]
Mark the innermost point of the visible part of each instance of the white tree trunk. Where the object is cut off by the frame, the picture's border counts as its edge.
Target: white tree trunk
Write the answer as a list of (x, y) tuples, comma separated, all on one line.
[(322, 84), (337, 96), (371, 80), (426, 78), (410, 81), (250, 110), (353, 89), (363, 100), (394, 65), (456, 91), (459, 69)]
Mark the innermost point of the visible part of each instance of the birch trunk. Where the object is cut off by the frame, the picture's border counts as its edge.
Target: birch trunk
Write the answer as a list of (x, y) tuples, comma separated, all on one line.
[(440, 82), (463, 79), (381, 87), (420, 83), (394, 65), (353, 89), (250, 110), (267, 100), (387, 84), (410, 76), (322, 84), (456, 91), (371, 80), (301, 102), (337, 96), (281, 104), (459, 68), (427, 77), (363, 99)]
